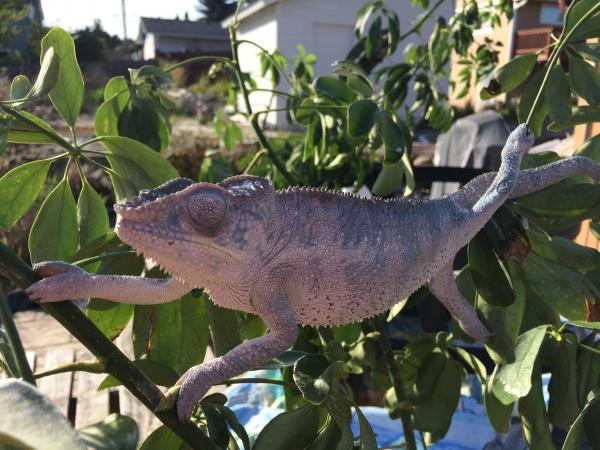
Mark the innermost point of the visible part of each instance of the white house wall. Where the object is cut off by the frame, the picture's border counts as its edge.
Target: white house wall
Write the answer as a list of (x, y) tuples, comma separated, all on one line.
[(261, 28), (149, 47)]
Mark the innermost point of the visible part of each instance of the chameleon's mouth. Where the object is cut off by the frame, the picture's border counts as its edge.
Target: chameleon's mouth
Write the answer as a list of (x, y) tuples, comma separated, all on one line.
[(149, 240)]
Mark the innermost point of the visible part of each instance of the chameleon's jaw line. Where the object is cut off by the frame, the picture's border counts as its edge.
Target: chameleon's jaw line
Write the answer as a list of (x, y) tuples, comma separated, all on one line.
[(133, 232)]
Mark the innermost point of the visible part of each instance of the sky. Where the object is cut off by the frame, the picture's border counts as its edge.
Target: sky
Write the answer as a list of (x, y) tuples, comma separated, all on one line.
[(76, 14)]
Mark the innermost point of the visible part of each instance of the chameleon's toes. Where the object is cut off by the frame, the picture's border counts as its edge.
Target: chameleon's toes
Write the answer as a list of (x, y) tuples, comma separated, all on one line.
[(193, 387), (56, 288), (476, 330), (52, 268)]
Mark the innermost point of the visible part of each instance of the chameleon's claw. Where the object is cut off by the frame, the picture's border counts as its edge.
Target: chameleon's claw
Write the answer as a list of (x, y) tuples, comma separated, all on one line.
[(61, 281), (194, 386)]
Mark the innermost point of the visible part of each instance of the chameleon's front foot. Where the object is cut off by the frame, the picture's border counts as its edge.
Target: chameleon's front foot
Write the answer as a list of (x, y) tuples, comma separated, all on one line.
[(61, 281), (194, 385)]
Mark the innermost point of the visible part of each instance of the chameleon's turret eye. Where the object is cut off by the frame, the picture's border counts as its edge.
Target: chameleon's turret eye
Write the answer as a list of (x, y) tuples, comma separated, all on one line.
[(207, 210)]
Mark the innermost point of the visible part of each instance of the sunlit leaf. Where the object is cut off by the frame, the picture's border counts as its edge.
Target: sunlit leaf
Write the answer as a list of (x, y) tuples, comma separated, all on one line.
[(54, 234), (509, 76), (67, 93), (92, 215), (112, 433)]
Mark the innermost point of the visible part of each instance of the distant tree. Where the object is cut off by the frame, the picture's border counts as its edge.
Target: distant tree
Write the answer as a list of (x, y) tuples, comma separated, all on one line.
[(216, 10), (91, 43), (11, 12)]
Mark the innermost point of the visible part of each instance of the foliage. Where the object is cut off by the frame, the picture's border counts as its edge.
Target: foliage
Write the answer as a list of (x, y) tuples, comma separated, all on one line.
[(215, 10), (11, 12), (358, 131)]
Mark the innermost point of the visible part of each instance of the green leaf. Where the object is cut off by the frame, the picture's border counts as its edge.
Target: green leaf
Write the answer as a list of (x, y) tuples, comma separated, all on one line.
[(22, 132), (174, 334), (31, 412), (334, 89), (54, 234), (235, 425), (19, 190), (116, 97), (435, 415), (585, 324), (563, 406), (20, 87), (532, 410), (575, 13), (308, 372), (92, 216), (573, 439), (339, 408), (498, 414), (216, 424), (163, 439), (558, 95), (389, 179), (394, 139), (373, 40), (286, 359), (589, 51), (579, 115), (291, 429), (590, 148), (112, 433), (158, 373), (513, 381), (361, 117), (110, 317), (585, 79), (509, 76), (67, 93), (527, 98), (367, 437), (49, 73), (139, 167), (489, 275), (560, 287)]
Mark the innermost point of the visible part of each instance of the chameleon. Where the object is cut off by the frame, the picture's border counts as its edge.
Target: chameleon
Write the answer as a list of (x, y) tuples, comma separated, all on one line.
[(299, 256)]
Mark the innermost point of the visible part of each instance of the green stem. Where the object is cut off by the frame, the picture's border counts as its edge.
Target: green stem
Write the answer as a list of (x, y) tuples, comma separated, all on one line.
[(93, 259), (257, 156), (16, 346), (90, 366), (220, 59), (117, 364), (564, 40), (260, 381), (272, 91), (90, 141), (262, 139), (54, 136), (386, 349), (417, 26)]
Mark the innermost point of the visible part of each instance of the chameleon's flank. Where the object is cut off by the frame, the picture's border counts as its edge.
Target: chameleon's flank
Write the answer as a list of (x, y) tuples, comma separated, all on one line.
[(300, 256)]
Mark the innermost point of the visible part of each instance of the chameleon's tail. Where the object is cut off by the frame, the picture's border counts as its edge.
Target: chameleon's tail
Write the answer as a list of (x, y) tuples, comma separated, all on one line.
[(507, 177), (531, 180)]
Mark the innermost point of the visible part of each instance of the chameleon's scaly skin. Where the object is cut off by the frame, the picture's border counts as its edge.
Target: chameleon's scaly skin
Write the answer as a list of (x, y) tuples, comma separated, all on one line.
[(299, 256)]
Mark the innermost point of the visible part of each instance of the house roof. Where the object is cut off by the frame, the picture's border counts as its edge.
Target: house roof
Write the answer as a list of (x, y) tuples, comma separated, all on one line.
[(251, 9), (182, 28)]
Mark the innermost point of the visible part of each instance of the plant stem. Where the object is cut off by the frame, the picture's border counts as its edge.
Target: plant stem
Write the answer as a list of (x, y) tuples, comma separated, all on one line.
[(117, 364), (220, 59), (93, 259), (563, 41), (405, 416), (417, 26), (16, 346), (91, 366), (260, 381), (264, 142), (54, 136)]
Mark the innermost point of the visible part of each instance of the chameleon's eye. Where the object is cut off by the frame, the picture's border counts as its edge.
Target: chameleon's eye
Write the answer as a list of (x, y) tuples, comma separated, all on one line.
[(207, 210)]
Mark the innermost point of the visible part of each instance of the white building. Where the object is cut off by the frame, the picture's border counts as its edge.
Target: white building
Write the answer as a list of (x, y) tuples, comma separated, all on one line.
[(324, 27), (181, 38)]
